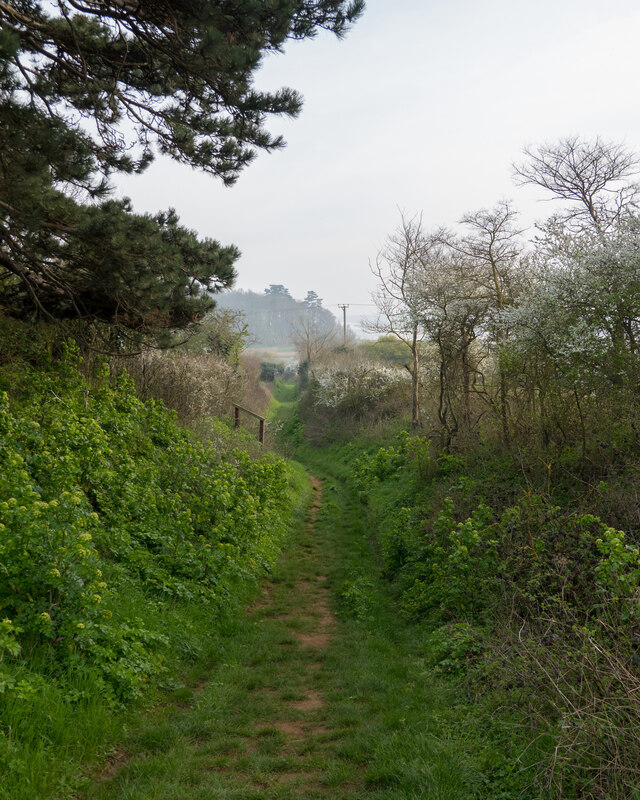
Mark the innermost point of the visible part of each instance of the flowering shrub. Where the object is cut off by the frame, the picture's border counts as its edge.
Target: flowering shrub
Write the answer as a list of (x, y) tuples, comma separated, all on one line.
[(356, 387), (195, 385), (339, 399)]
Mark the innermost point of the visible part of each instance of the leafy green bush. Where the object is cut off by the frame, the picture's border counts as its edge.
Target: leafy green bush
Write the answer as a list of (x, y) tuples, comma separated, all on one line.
[(397, 543), (535, 604), (529, 557), (357, 596), (453, 647), (411, 453), (533, 558), (99, 492)]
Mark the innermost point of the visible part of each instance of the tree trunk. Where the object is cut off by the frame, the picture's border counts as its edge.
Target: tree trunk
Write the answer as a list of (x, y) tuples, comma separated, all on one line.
[(466, 380), (416, 421), (504, 410)]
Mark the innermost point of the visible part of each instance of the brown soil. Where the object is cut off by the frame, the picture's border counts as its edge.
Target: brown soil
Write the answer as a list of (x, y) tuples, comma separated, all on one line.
[(112, 766), (312, 702)]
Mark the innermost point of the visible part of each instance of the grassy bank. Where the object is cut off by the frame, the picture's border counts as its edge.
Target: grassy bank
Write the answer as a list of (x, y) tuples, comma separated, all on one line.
[(128, 548), (522, 599)]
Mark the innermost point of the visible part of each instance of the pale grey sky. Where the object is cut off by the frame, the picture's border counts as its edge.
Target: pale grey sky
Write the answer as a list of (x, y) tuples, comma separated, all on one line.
[(423, 107)]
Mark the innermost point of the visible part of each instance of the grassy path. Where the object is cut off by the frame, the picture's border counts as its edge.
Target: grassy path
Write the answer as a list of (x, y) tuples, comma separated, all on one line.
[(319, 692)]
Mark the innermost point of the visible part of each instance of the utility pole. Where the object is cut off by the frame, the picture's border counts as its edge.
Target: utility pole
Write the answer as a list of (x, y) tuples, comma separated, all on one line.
[(344, 323)]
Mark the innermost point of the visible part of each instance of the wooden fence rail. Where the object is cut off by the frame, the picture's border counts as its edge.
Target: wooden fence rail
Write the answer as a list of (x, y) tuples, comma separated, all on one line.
[(237, 409)]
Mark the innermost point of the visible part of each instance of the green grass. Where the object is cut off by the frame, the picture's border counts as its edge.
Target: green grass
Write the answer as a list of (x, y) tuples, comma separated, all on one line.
[(320, 690), (388, 727), (284, 392)]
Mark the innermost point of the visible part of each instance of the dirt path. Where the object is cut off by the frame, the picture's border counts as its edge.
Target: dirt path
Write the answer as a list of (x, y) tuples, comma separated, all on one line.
[(256, 728), (299, 706), (299, 711)]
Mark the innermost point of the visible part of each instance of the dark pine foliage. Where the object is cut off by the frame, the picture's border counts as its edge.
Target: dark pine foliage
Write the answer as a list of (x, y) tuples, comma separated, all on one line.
[(93, 87)]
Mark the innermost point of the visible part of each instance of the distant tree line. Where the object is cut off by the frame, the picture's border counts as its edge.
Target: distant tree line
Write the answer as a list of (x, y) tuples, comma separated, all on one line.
[(276, 319)]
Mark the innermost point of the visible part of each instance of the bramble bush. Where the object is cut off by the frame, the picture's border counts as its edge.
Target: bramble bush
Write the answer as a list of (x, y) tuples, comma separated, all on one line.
[(534, 559), (411, 453), (530, 555)]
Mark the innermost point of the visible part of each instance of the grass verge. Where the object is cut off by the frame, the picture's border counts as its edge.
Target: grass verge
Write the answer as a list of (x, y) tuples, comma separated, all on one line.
[(320, 691)]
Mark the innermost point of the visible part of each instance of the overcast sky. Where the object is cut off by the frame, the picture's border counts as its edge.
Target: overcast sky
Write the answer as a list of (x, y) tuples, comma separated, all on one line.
[(423, 107)]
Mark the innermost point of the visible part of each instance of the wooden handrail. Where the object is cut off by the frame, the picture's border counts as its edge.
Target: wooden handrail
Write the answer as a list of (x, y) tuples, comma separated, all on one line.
[(246, 410), (237, 409)]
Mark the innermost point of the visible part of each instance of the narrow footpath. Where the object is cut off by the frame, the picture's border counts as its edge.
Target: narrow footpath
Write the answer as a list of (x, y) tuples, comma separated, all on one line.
[(311, 698)]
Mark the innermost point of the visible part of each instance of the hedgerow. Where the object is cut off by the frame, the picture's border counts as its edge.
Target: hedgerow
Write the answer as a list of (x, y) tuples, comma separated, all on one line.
[(110, 515), (535, 603)]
